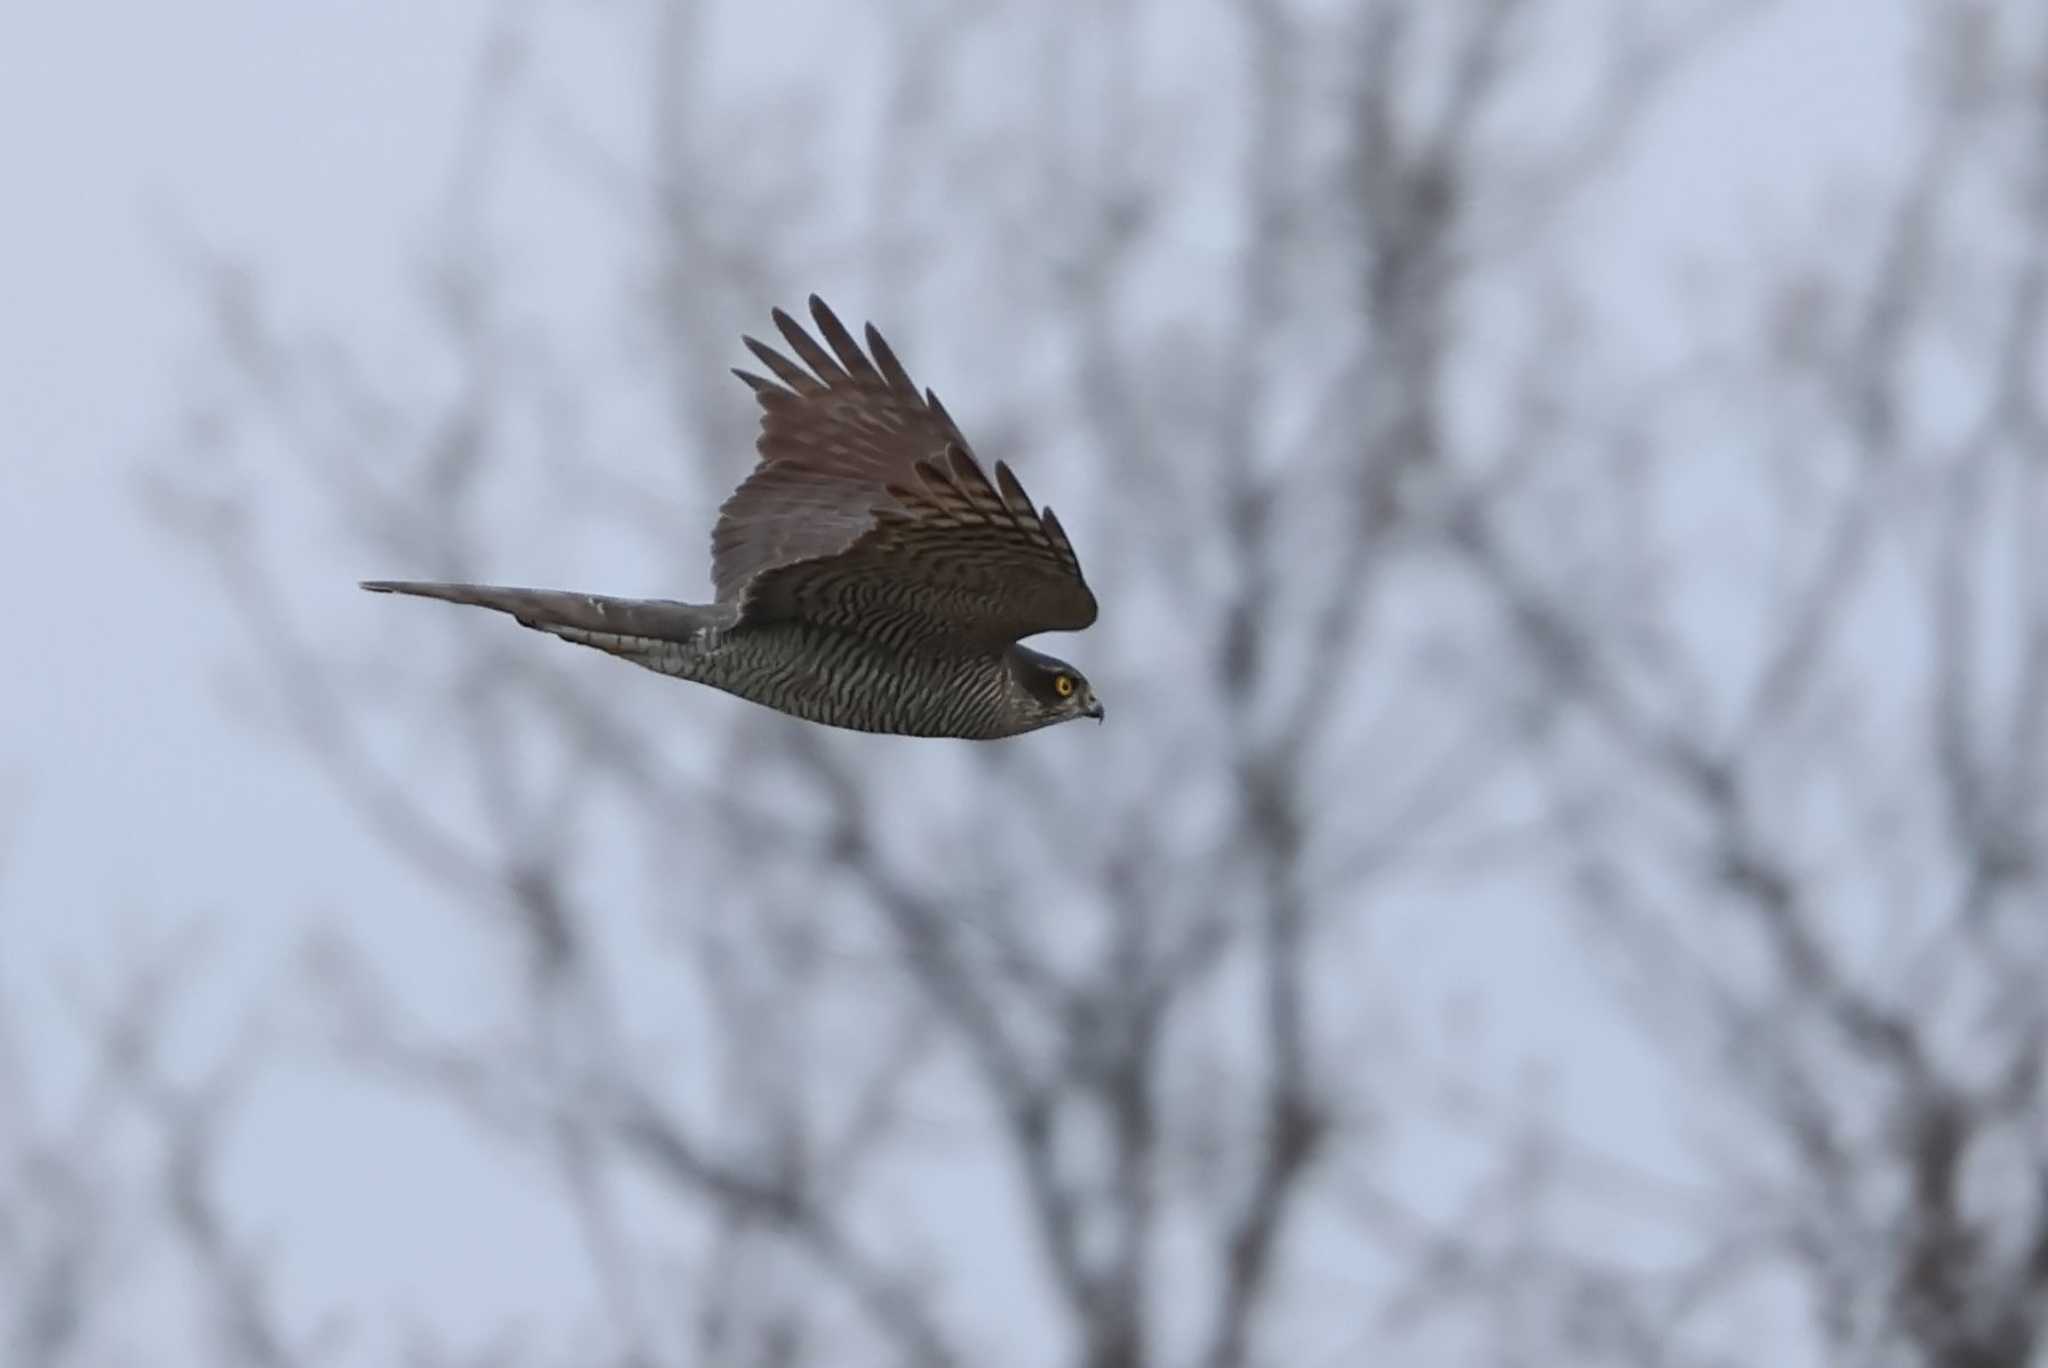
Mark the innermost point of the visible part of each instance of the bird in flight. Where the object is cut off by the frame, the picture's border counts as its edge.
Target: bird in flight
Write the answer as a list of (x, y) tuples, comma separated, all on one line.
[(868, 574)]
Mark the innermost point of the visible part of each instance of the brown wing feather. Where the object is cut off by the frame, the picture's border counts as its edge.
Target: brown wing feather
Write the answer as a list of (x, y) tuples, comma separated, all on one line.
[(869, 510), (955, 556), (833, 439)]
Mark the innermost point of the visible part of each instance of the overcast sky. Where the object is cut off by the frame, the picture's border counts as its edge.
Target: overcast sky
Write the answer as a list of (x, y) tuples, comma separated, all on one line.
[(313, 138)]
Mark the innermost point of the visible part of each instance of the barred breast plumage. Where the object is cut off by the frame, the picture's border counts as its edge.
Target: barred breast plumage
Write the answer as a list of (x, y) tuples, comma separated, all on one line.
[(868, 574)]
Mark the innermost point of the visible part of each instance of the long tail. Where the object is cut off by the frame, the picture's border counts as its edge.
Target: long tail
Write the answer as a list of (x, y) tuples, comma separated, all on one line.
[(656, 633)]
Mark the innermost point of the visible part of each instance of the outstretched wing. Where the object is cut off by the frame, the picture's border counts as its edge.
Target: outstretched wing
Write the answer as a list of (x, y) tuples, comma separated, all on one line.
[(868, 501), (954, 556)]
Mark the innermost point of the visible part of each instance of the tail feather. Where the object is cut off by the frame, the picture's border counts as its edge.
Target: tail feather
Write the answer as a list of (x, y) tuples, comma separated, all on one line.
[(633, 628)]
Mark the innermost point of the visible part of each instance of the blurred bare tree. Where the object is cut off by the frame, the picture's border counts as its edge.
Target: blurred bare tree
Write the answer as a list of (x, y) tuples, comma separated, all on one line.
[(1796, 741), (1088, 1048), (107, 1174)]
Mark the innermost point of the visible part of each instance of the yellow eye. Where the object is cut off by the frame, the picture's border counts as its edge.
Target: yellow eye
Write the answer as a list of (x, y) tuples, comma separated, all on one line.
[(1063, 685)]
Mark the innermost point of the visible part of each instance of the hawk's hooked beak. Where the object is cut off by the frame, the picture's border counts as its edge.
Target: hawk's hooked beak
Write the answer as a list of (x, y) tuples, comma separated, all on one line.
[(1094, 710)]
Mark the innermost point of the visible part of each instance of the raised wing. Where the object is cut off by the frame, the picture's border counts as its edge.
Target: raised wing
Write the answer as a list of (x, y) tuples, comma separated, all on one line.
[(868, 509), (833, 439)]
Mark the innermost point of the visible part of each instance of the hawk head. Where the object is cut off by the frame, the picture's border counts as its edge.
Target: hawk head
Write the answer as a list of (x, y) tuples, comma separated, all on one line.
[(1047, 690)]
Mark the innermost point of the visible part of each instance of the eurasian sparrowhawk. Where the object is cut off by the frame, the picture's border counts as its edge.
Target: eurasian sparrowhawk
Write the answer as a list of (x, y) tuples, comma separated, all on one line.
[(867, 574)]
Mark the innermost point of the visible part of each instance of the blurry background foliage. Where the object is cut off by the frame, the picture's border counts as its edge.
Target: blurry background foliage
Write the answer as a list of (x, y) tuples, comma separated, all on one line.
[(1562, 880)]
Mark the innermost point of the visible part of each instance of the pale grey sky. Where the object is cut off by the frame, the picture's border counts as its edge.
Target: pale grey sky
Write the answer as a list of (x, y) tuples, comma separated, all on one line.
[(313, 140)]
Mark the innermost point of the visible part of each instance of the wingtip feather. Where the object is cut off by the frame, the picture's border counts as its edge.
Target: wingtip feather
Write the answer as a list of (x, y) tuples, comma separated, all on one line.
[(807, 349), (893, 372), (842, 342), (786, 370)]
